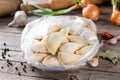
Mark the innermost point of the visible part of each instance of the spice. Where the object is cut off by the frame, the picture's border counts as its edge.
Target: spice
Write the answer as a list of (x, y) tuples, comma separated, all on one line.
[(2, 67), (25, 66), (3, 56), (16, 68), (109, 55), (21, 63), (8, 65), (19, 73), (4, 44), (33, 70), (107, 35), (72, 77), (7, 49), (8, 55), (9, 62), (24, 70)]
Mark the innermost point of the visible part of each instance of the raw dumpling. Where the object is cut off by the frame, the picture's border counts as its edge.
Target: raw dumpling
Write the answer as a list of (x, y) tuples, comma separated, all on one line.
[(78, 40), (56, 28), (65, 30), (39, 56), (69, 47), (50, 61), (38, 38), (84, 50), (54, 41), (38, 46), (66, 58)]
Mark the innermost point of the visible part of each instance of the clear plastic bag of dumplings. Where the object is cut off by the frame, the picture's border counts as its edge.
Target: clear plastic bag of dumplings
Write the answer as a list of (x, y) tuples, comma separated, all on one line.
[(61, 52)]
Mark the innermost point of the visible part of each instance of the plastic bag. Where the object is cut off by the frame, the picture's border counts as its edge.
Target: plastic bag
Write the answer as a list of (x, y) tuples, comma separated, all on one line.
[(78, 25)]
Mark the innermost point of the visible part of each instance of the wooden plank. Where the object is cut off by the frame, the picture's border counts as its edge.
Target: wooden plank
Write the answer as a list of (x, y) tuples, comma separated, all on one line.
[(104, 76), (13, 55), (12, 41), (29, 71), (5, 76), (105, 66), (67, 75), (4, 24), (17, 58)]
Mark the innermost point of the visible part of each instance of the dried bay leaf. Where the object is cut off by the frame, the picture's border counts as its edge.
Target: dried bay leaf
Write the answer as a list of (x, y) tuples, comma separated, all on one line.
[(110, 55)]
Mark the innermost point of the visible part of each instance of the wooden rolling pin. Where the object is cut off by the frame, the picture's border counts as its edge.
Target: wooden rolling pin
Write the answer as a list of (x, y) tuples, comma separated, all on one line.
[(9, 6), (53, 4)]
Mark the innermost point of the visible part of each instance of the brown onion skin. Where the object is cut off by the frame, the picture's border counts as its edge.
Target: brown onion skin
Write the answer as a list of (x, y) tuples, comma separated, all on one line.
[(91, 11), (115, 17)]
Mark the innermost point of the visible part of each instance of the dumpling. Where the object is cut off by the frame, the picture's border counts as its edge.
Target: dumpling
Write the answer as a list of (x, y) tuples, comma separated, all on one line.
[(78, 40), (55, 28), (84, 50), (65, 30), (54, 41), (38, 46), (38, 38), (50, 61), (39, 56), (69, 47), (66, 58)]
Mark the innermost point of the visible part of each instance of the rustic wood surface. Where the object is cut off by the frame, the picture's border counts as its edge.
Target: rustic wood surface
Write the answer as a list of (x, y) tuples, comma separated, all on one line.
[(11, 36)]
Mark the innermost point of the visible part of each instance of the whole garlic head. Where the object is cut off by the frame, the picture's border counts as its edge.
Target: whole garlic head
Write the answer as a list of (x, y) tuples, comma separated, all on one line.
[(20, 19)]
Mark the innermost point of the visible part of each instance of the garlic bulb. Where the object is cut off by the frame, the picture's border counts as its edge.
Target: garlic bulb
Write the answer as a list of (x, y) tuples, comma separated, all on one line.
[(20, 19)]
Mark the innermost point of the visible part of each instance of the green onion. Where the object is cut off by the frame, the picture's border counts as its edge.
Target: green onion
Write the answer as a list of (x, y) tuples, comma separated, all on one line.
[(114, 4), (53, 13)]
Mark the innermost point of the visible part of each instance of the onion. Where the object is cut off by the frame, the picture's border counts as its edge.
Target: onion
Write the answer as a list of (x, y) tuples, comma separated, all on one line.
[(91, 11), (115, 16)]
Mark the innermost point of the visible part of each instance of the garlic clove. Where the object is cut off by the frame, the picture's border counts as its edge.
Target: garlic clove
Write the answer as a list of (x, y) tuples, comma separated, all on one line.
[(101, 43), (94, 62), (113, 41), (20, 19)]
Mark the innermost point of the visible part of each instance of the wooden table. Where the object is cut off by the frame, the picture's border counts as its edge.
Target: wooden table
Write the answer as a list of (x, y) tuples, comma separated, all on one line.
[(20, 70)]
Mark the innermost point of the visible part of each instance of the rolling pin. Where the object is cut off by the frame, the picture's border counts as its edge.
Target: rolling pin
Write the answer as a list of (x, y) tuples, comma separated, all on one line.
[(52, 4), (9, 6)]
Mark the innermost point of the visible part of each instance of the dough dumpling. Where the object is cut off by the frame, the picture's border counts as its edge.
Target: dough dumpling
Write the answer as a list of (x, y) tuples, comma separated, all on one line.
[(78, 40), (55, 28), (39, 56), (66, 58), (50, 61), (69, 47), (54, 41), (84, 50), (65, 31), (38, 46)]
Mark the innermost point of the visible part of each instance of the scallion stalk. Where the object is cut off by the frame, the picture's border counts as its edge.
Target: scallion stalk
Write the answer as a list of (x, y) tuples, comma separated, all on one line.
[(53, 13), (114, 4)]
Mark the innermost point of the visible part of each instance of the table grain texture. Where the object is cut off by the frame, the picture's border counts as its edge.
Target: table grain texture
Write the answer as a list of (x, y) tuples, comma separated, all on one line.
[(12, 35)]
